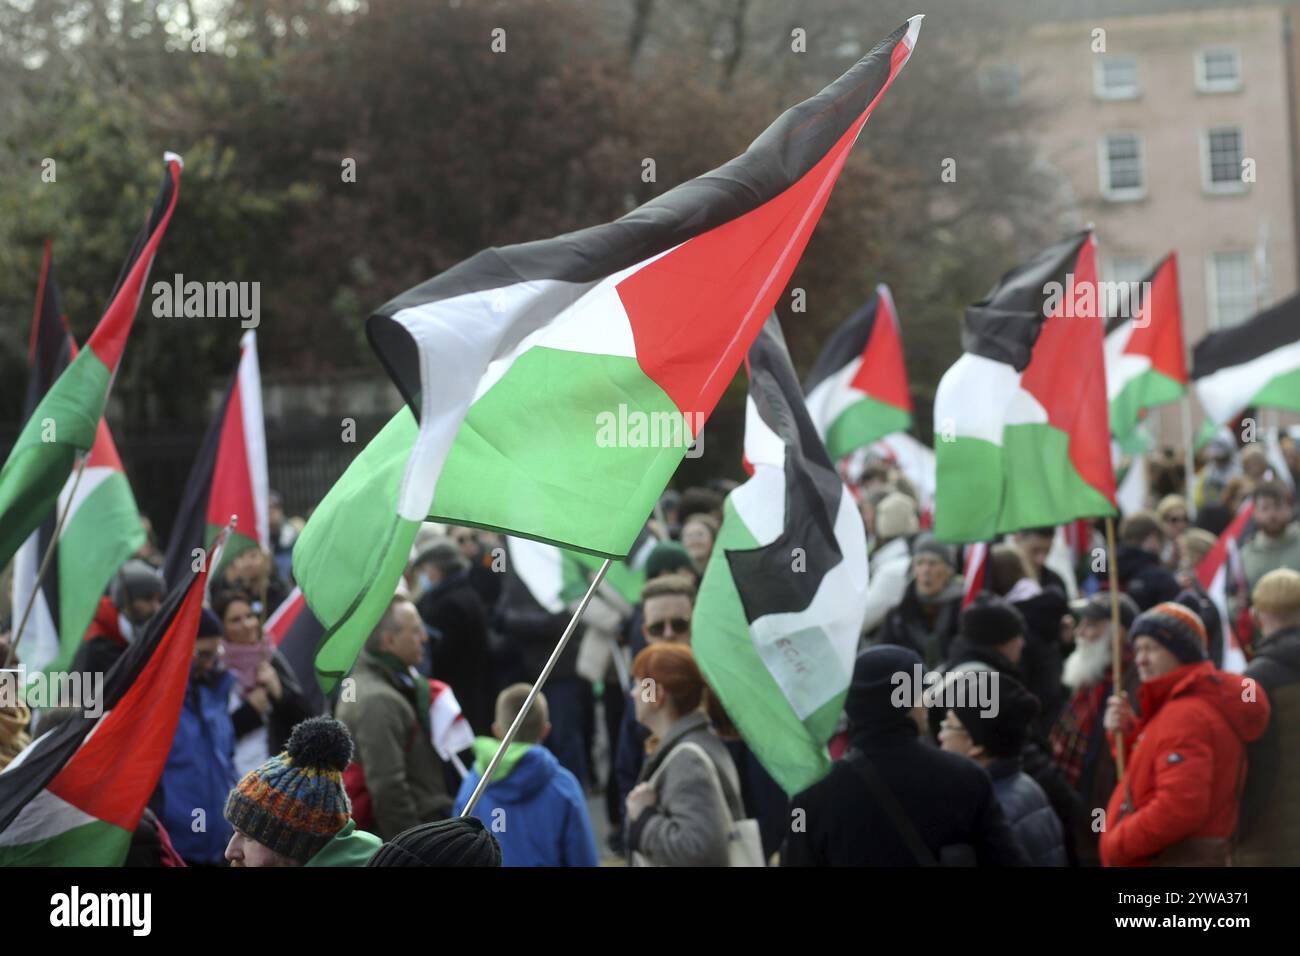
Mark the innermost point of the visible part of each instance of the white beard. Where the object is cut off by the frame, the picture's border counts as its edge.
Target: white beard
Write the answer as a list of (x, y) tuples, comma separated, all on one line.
[(1087, 664)]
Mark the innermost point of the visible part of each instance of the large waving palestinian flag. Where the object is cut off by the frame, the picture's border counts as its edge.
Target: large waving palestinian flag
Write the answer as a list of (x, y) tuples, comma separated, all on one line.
[(101, 527), (857, 389), (780, 607), (515, 362), (229, 475), (1255, 364), (66, 422), (75, 796), (1145, 361), (1021, 423)]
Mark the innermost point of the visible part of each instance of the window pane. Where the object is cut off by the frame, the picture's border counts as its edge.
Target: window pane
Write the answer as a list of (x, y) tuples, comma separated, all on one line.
[(1225, 155), (1124, 162), (1220, 66), (1234, 287)]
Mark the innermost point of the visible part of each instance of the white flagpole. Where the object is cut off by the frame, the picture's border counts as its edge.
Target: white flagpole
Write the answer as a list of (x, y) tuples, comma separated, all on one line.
[(536, 689)]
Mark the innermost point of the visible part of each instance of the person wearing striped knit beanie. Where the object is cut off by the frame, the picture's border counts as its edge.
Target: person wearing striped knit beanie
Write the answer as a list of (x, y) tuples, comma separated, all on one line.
[(1185, 757), (293, 810)]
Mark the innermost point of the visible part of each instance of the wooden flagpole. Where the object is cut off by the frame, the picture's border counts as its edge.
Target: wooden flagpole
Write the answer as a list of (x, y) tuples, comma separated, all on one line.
[(1117, 643)]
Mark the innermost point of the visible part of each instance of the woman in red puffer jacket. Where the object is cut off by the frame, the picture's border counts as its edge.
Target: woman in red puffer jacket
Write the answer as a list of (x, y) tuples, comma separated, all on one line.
[(1185, 758)]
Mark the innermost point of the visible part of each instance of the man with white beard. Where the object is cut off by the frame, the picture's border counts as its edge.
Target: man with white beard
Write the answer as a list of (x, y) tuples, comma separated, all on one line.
[(1079, 738)]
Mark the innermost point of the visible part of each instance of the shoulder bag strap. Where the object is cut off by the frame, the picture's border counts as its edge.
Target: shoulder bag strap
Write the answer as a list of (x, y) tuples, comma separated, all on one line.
[(859, 762)]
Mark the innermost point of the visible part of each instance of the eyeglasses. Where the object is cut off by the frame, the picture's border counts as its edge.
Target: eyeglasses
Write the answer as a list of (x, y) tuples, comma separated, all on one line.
[(953, 728), (680, 625), (209, 655)]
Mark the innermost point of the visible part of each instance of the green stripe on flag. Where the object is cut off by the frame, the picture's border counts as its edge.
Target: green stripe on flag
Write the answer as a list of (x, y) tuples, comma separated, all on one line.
[(581, 568), (97, 843), (545, 419), (1281, 391), (104, 531), (986, 490), (63, 423), (1147, 390), (861, 424), (792, 750), (352, 553)]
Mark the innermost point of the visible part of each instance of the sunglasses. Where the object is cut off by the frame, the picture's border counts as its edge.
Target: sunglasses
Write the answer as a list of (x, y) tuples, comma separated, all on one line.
[(1179, 519), (680, 625)]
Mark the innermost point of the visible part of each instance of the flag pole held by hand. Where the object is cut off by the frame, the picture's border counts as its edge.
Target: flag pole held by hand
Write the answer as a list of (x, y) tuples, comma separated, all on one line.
[(536, 689)]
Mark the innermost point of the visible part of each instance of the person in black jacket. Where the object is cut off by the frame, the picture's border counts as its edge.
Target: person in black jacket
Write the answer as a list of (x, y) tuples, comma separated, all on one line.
[(894, 800), (993, 636), (273, 701), (134, 596), (1140, 569), (995, 738), (461, 656), (926, 618)]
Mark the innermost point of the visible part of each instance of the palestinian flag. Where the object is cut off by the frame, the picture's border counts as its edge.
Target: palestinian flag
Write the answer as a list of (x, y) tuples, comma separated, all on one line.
[(1145, 362), (1213, 573), (66, 421), (1023, 437), (857, 389), (1254, 364), (101, 526), (554, 387), (295, 631), (76, 794), (229, 475), (777, 619)]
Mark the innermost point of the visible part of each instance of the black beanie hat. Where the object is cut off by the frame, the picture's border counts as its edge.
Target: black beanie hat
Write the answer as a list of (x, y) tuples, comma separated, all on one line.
[(1175, 627), (209, 624), (872, 693), (462, 841), (1002, 734), (991, 621)]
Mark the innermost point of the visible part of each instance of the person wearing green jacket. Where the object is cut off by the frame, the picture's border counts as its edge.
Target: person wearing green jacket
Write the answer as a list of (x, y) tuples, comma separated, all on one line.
[(293, 810)]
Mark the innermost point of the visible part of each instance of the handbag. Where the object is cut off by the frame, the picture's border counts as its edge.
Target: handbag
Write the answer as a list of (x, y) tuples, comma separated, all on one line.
[(744, 843)]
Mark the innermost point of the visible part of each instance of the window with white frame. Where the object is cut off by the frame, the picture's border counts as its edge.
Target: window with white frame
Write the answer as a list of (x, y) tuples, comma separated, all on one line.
[(1222, 150), (1232, 288), (1000, 82), (1218, 70), (1121, 166), (1115, 77)]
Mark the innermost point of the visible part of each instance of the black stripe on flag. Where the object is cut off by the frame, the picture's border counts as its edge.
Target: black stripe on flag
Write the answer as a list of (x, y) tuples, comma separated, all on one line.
[(1266, 332), (1005, 324), (190, 528), (160, 205), (763, 576), (781, 155), (846, 345)]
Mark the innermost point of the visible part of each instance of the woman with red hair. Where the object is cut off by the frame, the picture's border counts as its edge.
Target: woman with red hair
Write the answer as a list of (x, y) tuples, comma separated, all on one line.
[(687, 798)]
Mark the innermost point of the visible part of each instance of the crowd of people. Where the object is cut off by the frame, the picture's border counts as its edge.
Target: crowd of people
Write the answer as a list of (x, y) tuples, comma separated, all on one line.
[(1189, 758)]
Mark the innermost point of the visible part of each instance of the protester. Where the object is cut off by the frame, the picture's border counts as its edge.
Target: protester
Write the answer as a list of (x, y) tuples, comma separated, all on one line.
[(1078, 739), (994, 738), (282, 535), (1270, 806), (463, 841), (272, 700), (699, 531), (1035, 546), (388, 717), (1171, 512), (460, 656), (293, 810), (926, 618), (1185, 758), (687, 796), (1218, 470), (891, 560), (135, 594), (1139, 565), (253, 572), (542, 805), (200, 767), (1045, 613), (1276, 541), (894, 800)]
